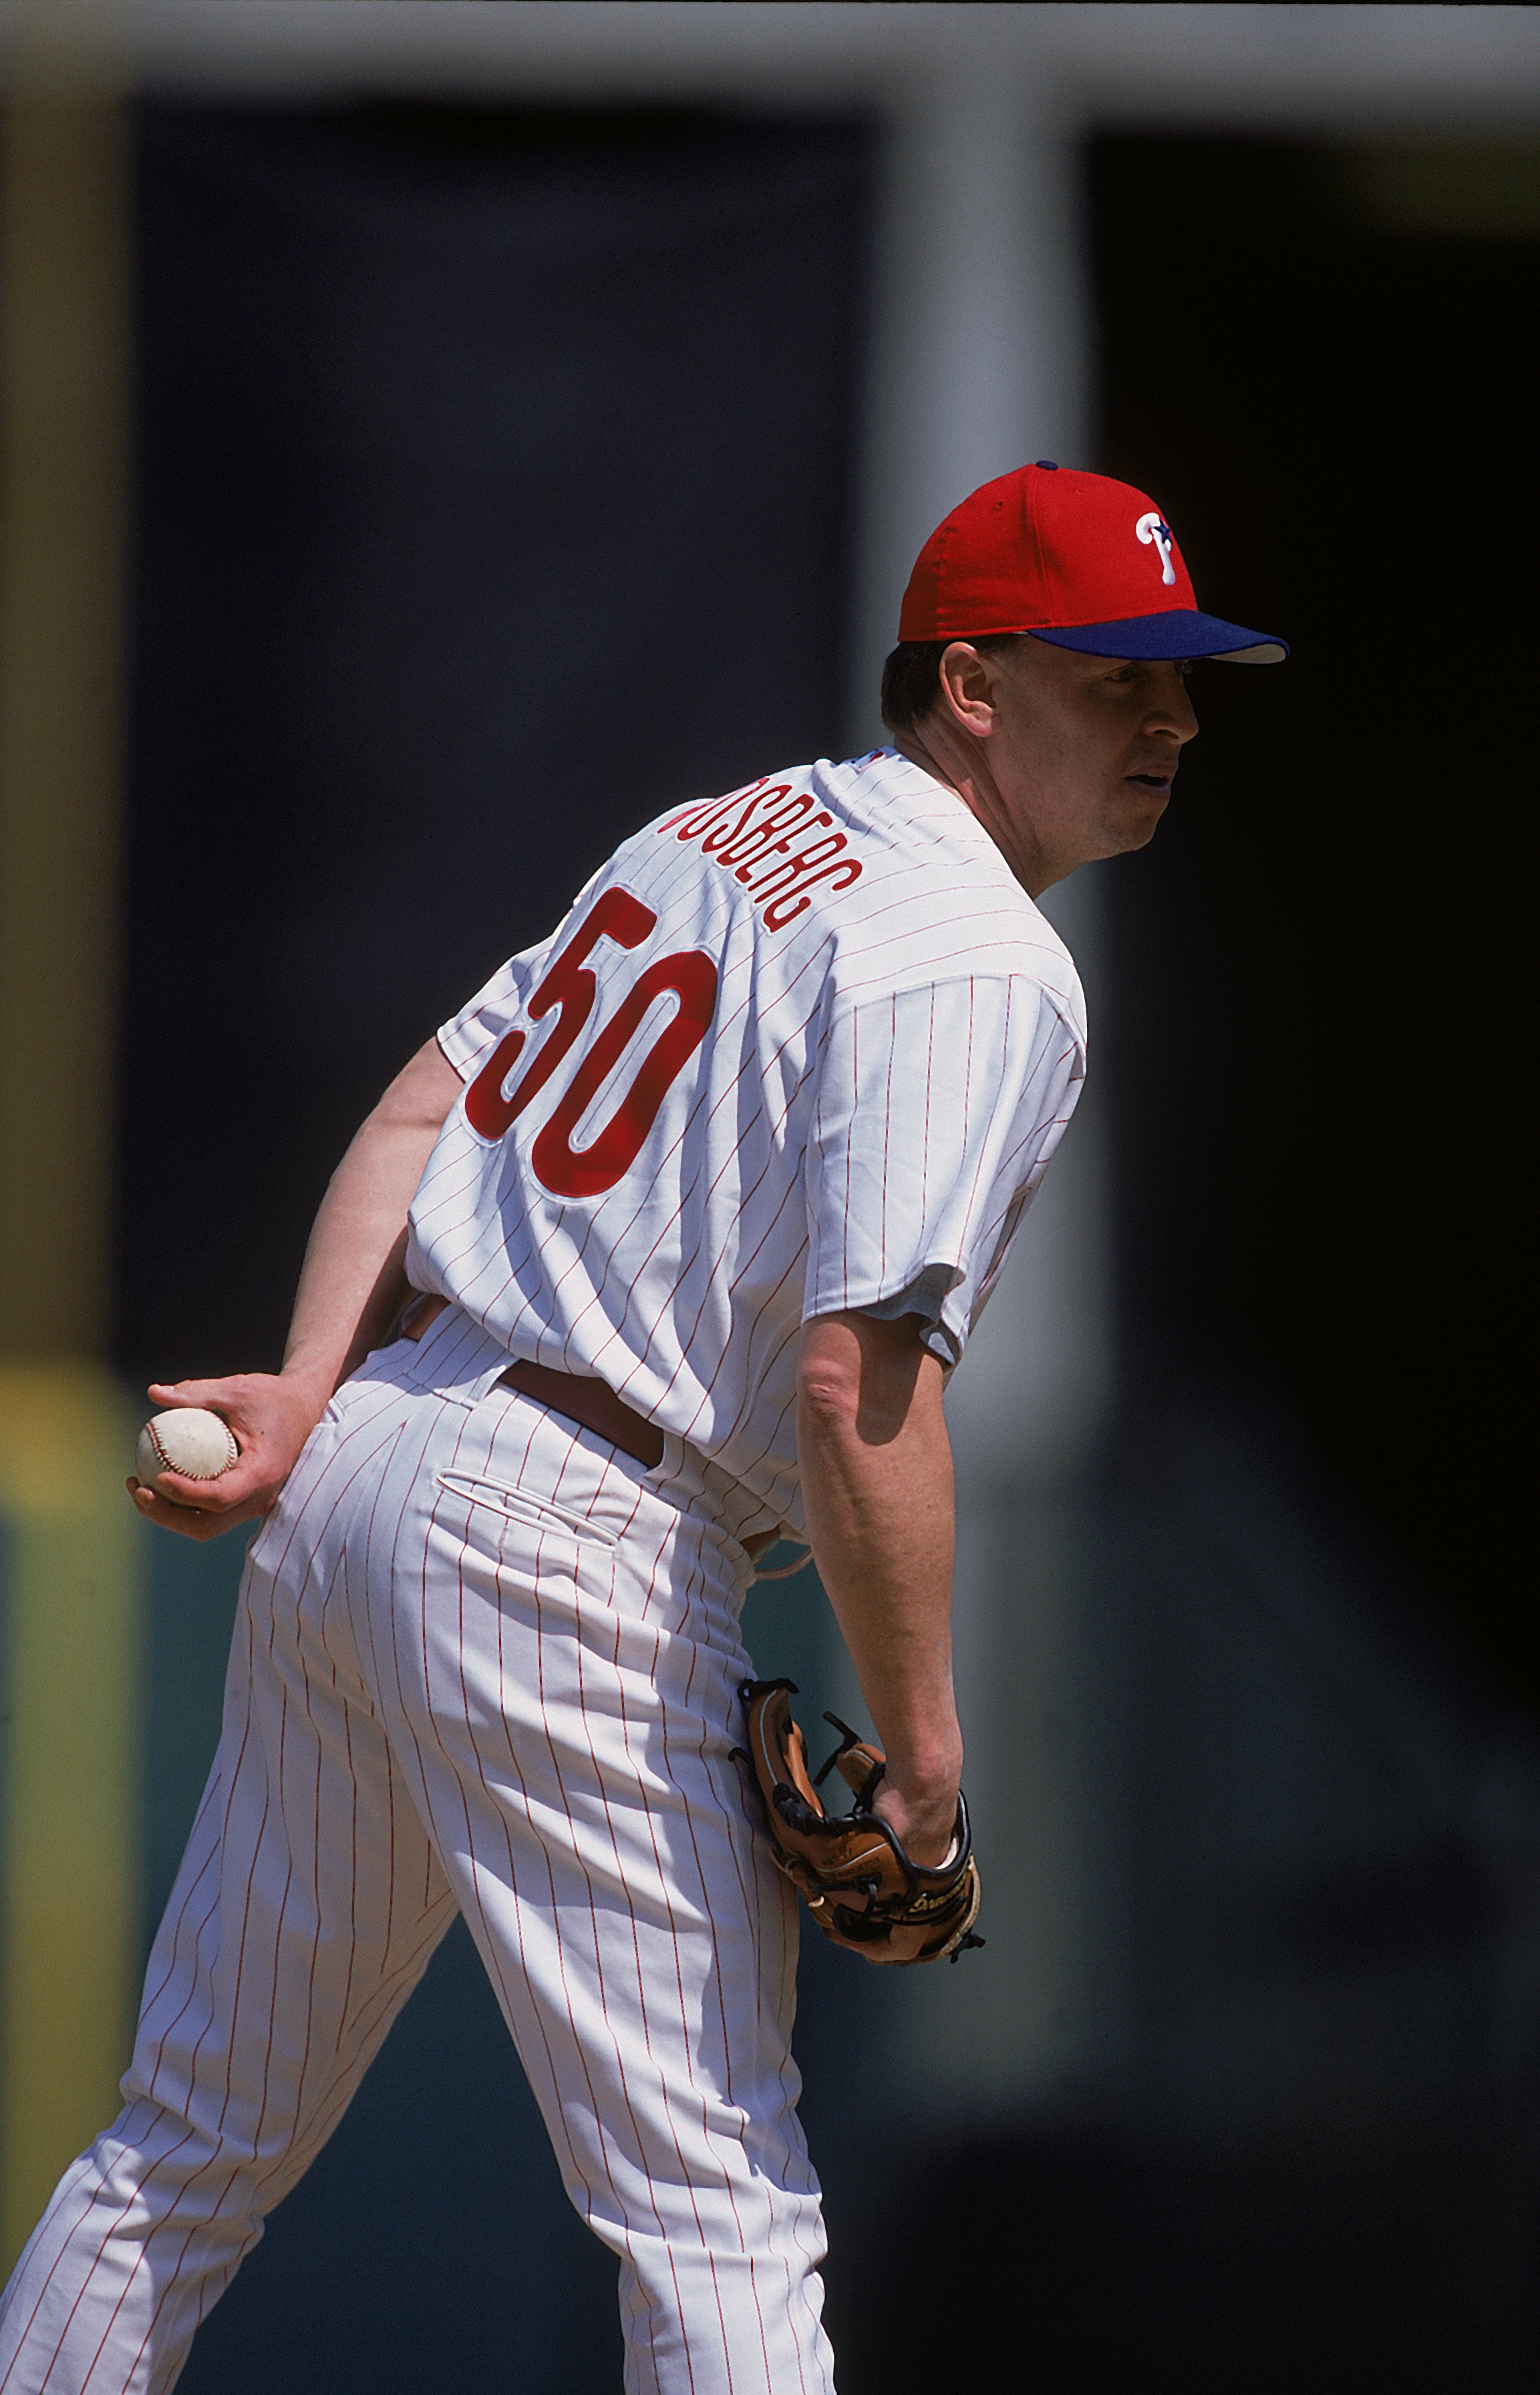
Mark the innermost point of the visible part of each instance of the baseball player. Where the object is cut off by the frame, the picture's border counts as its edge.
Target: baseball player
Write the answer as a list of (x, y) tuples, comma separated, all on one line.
[(692, 1210)]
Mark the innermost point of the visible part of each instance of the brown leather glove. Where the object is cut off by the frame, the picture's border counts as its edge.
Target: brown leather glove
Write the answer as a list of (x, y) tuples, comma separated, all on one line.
[(860, 1886)]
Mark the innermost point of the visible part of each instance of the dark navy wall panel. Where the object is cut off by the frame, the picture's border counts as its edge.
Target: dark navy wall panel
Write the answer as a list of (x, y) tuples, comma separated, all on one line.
[(493, 495)]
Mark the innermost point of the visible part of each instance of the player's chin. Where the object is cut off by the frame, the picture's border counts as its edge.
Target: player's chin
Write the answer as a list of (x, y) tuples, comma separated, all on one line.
[(1137, 812)]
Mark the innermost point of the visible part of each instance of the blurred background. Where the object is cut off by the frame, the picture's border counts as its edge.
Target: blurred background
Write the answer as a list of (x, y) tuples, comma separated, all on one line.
[(434, 438)]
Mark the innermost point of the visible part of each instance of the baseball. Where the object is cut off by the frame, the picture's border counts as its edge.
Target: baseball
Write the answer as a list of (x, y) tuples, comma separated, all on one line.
[(186, 1439)]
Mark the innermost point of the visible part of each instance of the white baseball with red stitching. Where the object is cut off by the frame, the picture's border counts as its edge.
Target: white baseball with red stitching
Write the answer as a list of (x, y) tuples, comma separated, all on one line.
[(186, 1439)]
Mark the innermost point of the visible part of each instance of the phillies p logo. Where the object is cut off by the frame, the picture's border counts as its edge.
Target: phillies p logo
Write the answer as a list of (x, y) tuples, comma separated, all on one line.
[(1150, 528)]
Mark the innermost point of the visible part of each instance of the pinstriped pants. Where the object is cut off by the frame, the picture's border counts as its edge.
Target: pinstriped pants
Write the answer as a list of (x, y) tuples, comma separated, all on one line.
[(482, 1660)]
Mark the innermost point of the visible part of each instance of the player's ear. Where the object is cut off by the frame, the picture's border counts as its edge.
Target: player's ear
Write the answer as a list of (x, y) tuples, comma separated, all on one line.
[(967, 688)]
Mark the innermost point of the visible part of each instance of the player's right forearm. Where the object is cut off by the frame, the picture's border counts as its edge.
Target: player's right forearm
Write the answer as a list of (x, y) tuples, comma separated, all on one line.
[(353, 1280)]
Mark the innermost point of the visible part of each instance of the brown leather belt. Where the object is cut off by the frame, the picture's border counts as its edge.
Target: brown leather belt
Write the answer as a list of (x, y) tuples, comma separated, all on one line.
[(583, 1399), (592, 1403)]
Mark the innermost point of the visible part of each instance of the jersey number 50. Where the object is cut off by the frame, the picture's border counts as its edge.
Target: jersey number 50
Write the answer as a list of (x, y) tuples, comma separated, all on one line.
[(569, 985)]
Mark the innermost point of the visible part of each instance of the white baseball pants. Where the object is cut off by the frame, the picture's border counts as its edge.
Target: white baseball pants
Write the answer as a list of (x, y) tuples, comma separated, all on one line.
[(483, 1660)]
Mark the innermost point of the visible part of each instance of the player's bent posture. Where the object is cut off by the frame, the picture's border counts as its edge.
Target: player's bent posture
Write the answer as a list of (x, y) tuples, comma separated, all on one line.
[(701, 1199)]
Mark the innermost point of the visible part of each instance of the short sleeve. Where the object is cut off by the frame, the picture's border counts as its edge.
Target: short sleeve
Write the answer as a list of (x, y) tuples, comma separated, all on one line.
[(470, 1036), (938, 1112)]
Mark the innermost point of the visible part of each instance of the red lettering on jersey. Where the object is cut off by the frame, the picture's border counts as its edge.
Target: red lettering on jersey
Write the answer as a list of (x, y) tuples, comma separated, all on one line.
[(692, 820), (722, 834), (487, 1106), (781, 911), (780, 877), (741, 848), (746, 829), (569, 985), (586, 1173)]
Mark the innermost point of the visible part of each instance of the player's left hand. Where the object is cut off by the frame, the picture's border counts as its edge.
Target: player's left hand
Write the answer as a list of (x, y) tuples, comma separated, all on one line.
[(863, 1886), (271, 1414), (926, 1826)]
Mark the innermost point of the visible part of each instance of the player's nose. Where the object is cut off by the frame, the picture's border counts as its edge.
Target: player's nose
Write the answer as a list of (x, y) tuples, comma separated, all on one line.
[(1173, 714)]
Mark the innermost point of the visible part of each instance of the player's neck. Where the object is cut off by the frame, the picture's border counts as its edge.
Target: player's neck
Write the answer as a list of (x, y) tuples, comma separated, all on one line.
[(960, 767)]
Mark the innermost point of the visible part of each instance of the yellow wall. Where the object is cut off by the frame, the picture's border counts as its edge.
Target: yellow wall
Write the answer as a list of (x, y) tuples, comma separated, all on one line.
[(63, 434), (70, 1874), (70, 1549)]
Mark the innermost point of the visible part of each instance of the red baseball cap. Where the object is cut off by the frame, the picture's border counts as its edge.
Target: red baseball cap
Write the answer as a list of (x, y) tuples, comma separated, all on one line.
[(1081, 561)]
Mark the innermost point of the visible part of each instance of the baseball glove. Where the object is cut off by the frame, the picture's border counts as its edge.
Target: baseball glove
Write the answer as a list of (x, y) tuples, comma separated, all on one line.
[(860, 1886)]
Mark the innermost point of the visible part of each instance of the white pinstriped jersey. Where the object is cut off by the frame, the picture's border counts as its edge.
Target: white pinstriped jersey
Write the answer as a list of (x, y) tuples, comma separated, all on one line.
[(805, 1049)]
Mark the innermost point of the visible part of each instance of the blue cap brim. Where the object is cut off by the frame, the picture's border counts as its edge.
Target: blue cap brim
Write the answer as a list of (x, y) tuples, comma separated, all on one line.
[(1179, 632)]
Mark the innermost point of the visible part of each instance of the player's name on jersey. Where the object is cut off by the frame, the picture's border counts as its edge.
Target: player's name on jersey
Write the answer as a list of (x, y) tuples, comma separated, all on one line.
[(757, 834)]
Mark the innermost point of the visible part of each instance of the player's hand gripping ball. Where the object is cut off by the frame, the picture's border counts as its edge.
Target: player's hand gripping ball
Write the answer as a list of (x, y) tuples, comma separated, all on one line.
[(189, 1440), (858, 1885)]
